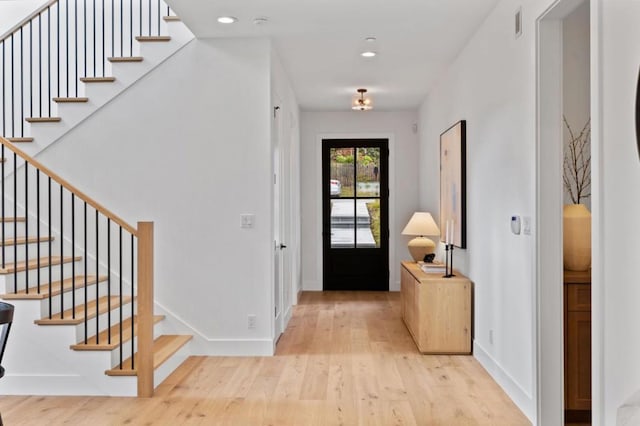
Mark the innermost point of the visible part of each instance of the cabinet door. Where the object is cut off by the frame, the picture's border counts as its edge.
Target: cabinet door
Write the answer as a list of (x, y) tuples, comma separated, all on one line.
[(578, 361)]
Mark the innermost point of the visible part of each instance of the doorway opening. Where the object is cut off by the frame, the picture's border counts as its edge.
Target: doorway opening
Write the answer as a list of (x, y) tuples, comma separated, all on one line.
[(355, 193), (563, 203)]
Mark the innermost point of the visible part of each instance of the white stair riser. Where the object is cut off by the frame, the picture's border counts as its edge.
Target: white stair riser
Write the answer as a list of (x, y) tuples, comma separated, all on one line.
[(68, 298), (102, 321), (7, 280), (21, 250), (9, 230)]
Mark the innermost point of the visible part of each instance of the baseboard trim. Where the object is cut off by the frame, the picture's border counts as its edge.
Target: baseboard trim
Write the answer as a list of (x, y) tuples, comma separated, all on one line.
[(518, 395), (60, 385), (311, 285)]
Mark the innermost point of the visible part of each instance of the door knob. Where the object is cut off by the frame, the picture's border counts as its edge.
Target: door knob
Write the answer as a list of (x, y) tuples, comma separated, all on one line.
[(282, 246)]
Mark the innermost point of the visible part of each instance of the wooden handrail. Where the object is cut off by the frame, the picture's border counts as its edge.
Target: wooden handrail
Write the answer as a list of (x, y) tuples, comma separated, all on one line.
[(27, 19), (99, 207)]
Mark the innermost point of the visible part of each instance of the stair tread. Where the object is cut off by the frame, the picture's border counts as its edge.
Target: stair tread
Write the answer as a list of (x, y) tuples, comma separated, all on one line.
[(97, 79), (70, 100), (13, 219), (171, 18), (33, 263), (43, 119), (67, 285), (103, 337), (90, 310), (24, 240), (153, 38), (126, 59), (163, 348), (20, 140)]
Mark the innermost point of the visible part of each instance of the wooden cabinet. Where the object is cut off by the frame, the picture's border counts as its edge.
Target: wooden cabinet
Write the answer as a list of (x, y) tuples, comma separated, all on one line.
[(577, 338), (436, 310)]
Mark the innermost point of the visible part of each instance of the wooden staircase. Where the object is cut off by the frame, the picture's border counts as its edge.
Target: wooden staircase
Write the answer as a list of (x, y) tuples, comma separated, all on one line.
[(71, 289)]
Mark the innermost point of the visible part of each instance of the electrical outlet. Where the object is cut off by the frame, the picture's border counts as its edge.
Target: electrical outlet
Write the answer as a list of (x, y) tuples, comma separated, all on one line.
[(251, 321), (491, 337)]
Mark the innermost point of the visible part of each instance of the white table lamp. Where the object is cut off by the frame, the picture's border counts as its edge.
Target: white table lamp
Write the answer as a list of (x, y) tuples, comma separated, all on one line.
[(422, 226)]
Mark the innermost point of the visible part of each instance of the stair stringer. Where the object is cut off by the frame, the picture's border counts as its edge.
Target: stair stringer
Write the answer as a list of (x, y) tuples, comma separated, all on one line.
[(100, 94), (39, 361)]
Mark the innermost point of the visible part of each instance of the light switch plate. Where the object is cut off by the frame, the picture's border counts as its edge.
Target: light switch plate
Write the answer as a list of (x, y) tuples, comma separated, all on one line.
[(526, 225), (247, 220)]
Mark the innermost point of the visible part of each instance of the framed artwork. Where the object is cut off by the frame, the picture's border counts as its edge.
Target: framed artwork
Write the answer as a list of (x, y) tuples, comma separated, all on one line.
[(453, 176), (638, 113)]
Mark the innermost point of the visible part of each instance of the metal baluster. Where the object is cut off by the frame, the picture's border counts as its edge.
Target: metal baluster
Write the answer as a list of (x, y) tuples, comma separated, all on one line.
[(38, 228), (159, 13), (61, 253), (84, 15), (75, 40), (140, 3), (130, 27), (121, 29), (15, 223), (149, 17), (31, 68), (104, 55), (133, 366), (97, 292), (40, 63), (26, 223), (49, 61), (66, 39), (73, 255), (21, 85), (13, 111), (95, 74), (120, 292), (58, 46), (113, 32), (85, 275), (50, 247), (109, 280), (4, 115), (4, 219)]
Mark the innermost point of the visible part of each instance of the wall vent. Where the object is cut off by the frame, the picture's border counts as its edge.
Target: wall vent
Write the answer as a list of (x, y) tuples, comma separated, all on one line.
[(518, 22)]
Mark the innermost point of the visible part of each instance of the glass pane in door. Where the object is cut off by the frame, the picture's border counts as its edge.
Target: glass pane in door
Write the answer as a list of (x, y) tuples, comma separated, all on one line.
[(368, 176), (342, 191)]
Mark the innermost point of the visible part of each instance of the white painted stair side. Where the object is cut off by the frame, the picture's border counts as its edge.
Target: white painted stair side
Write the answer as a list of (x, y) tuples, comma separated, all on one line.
[(126, 74)]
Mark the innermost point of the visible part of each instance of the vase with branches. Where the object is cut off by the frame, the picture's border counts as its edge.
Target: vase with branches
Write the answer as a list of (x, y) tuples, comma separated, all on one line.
[(577, 183), (577, 163)]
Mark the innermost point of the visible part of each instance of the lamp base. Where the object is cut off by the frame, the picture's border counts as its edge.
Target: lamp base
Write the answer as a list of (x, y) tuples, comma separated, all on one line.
[(421, 246)]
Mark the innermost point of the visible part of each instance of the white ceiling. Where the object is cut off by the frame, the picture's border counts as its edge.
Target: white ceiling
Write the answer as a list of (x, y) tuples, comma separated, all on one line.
[(319, 42)]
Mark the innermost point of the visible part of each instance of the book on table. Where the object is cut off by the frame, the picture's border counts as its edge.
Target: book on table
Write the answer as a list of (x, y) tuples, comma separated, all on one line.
[(432, 268)]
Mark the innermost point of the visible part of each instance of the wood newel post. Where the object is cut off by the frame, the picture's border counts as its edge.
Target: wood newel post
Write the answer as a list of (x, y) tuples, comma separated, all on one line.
[(145, 310)]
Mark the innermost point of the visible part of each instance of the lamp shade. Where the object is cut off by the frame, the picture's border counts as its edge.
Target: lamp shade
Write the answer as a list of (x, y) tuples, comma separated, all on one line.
[(421, 224)]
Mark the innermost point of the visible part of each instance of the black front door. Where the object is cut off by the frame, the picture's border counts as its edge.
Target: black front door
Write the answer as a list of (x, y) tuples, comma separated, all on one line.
[(355, 214)]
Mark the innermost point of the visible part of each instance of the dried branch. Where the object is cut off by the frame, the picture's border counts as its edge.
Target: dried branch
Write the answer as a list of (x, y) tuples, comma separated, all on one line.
[(577, 163)]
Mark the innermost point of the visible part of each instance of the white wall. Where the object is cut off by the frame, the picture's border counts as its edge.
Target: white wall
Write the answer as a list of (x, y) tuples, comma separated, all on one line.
[(403, 180), (13, 11), (189, 147), (619, 205), (577, 77), (492, 86)]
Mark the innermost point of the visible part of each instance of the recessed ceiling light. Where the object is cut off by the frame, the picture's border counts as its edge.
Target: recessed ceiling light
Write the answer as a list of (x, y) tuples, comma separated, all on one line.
[(227, 19), (370, 39), (368, 54), (260, 21)]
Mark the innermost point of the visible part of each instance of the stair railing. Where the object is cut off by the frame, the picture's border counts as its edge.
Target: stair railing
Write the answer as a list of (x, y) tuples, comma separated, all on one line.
[(76, 229), (45, 56)]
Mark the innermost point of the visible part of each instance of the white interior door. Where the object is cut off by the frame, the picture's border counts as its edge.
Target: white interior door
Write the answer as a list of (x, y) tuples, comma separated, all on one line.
[(279, 246)]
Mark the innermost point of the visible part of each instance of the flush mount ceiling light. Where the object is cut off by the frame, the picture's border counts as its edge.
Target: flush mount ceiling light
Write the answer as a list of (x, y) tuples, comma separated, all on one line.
[(227, 19), (360, 103)]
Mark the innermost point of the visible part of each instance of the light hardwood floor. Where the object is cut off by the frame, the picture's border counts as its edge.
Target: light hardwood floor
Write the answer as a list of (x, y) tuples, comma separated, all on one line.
[(345, 359)]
